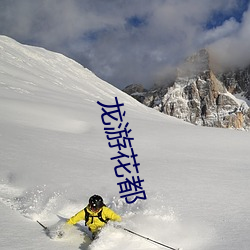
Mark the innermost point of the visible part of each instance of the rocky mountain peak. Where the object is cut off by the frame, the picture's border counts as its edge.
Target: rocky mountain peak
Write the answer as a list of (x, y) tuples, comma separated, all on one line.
[(196, 64), (200, 96)]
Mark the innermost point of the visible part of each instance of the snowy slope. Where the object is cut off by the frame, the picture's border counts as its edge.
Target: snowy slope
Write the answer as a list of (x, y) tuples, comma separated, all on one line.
[(54, 155)]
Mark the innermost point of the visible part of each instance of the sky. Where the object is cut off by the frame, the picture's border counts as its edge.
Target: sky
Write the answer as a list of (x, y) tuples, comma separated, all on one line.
[(132, 41)]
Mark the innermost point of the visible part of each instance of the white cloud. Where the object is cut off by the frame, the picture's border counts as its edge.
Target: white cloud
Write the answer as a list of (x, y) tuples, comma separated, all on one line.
[(228, 28), (97, 32), (233, 50)]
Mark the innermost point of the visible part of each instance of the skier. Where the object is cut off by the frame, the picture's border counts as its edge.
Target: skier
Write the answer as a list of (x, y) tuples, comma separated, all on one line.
[(95, 214)]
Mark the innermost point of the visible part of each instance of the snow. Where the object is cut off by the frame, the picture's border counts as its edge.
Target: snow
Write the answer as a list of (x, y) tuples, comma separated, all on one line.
[(242, 99), (54, 155)]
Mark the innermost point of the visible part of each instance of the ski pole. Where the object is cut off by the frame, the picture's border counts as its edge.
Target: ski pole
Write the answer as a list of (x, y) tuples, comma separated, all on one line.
[(45, 228), (159, 243)]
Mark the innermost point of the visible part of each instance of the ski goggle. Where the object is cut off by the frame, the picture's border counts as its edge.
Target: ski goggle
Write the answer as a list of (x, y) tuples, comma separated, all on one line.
[(94, 208)]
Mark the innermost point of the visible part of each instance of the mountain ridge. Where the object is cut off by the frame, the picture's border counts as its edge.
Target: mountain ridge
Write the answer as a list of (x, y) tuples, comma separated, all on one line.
[(201, 95)]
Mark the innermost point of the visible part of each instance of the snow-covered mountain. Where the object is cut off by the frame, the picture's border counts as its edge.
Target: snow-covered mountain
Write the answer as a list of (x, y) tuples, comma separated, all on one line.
[(201, 95), (55, 154)]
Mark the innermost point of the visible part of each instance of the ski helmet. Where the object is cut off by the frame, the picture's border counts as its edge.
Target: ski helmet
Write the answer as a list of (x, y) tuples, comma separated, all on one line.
[(95, 202)]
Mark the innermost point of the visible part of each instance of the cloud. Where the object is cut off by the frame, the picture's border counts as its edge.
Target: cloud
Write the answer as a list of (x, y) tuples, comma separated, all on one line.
[(228, 28), (233, 49), (121, 41)]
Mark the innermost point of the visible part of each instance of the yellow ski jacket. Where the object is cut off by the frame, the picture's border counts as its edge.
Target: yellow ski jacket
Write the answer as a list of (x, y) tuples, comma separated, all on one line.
[(94, 223)]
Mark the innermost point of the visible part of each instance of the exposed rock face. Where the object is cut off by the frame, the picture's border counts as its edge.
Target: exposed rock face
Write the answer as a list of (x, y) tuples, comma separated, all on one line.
[(237, 81), (199, 97), (137, 91)]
